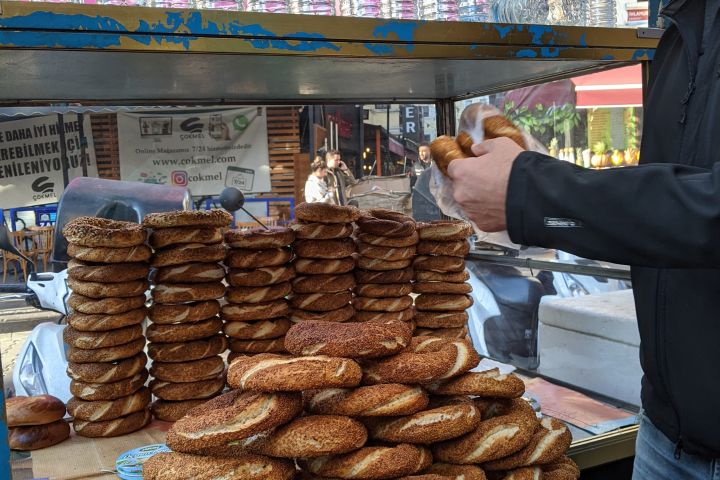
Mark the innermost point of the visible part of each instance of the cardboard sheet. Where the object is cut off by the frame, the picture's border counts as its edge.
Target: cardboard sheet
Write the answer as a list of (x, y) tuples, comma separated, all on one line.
[(80, 457)]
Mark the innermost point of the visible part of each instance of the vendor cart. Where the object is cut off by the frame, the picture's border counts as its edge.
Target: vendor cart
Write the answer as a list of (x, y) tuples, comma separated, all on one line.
[(107, 55)]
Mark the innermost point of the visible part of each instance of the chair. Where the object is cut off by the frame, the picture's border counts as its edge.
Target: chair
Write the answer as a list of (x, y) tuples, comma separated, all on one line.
[(18, 239), (43, 239)]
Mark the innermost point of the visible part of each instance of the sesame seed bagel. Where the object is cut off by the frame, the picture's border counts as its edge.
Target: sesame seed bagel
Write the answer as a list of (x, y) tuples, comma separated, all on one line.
[(458, 248), (442, 288), (441, 302), (393, 276), (111, 338), (174, 466), (107, 372), (371, 401), (260, 238), (165, 237), (458, 332), (138, 253), (107, 354), (113, 428), (130, 288), (259, 330), (340, 315), (384, 317), (321, 231), (184, 332), (187, 351), (457, 472), (323, 283), (446, 277), (113, 273), (326, 213), (188, 253), (324, 249), (186, 313), (102, 232), (190, 273), (348, 340), (320, 302), (192, 371), (380, 290), (232, 416), (490, 383), (109, 306), (439, 263), (444, 231), (372, 463), (269, 372), (108, 391), (258, 294), (385, 253), (450, 419), (274, 345), (187, 292), (188, 218), (260, 277), (386, 223), (255, 311), (378, 265), (547, 445), (187, 391), (426, 360), (311, 436), (109, 409), (457, 319), (562, 469), (395, 242), (392, 304), (495, 437), (173, 411), (246, 258), (309, 266)]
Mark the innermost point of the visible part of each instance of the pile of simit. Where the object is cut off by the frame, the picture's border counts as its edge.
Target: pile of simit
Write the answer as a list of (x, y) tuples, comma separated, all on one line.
[(108, 277), (365, 401), (185, 344), (256, 316)]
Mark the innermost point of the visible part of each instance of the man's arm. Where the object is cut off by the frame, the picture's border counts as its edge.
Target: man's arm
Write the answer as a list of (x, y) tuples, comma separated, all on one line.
[(659, 215)]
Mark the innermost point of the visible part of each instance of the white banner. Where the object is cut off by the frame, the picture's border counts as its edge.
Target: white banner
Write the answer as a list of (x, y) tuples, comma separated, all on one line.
[(203, 150), (35, 153)]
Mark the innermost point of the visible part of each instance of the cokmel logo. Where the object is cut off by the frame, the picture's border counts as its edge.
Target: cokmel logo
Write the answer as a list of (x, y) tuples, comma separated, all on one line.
[(42, 185), (192, 125)]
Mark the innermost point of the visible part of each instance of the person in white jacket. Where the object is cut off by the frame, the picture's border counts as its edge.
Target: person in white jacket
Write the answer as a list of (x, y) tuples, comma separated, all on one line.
[(316, 190)]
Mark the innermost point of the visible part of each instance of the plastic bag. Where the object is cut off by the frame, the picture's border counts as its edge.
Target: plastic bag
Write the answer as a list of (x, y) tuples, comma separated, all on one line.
[(441, 187)]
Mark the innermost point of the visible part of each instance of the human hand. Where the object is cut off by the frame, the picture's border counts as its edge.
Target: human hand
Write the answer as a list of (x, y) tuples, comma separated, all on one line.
[(480, 184), (342, 165)]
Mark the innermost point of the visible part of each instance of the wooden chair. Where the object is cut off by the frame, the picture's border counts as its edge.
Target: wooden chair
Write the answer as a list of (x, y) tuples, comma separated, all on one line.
[(44, 242), (18, 239)]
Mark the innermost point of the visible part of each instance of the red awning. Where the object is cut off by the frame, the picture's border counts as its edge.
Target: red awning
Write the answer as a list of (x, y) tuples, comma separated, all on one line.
[(621, 87)]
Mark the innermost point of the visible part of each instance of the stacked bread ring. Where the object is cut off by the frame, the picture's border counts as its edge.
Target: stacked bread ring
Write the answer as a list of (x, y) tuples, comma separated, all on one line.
[(36, 422), (324, 264), (256, 315), (441, 279), (386, 243), (108, 277), (185, 344)]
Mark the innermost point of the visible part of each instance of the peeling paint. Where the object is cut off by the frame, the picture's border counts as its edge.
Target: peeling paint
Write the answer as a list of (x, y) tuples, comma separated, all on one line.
[(526, 53), (503, 31), (643, 54), (402, 31)]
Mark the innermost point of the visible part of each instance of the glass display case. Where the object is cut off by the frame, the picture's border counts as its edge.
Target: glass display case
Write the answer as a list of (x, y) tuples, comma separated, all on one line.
[(54, 54)]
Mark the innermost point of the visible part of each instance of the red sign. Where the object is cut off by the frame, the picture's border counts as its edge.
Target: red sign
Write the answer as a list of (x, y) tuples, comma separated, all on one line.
[(344, 126)]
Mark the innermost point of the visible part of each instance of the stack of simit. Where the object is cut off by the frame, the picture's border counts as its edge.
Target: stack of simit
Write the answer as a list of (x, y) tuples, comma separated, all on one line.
[(259, 277), (108, 277), (386, 245), (185, 345), (440, 279), (324, 263)]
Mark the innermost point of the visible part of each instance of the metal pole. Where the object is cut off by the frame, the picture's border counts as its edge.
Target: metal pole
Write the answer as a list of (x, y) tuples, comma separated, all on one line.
[(378, 153), (4, 440)]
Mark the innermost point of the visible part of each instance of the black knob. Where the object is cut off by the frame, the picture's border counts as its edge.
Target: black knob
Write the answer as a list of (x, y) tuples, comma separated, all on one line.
[(232, 199)]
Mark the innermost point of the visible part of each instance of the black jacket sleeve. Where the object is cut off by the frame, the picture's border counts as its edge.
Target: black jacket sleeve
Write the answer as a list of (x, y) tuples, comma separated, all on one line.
[(654, 215)]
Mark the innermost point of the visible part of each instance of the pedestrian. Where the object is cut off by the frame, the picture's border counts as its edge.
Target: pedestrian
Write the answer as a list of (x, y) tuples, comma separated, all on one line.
[(316, 189), (662, 218), (421, 164), (339, 176)]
